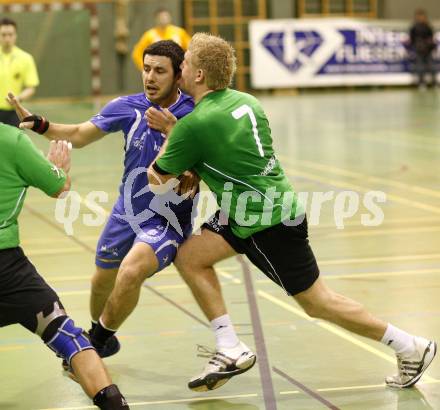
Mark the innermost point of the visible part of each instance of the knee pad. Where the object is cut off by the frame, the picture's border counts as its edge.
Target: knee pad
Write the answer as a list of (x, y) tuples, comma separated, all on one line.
[(68, 340), (45, 321), (110, 398)]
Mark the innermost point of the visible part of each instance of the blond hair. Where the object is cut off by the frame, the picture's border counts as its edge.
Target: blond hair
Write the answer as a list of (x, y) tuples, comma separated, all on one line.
[(216, 57)]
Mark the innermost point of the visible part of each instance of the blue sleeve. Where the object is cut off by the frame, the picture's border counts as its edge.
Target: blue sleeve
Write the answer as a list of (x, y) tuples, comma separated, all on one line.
[(184, 109), (115, 116)]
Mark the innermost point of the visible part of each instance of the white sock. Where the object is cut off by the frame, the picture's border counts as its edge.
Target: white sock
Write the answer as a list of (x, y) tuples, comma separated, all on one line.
[(225, 335), (398, 340), (106, 327)]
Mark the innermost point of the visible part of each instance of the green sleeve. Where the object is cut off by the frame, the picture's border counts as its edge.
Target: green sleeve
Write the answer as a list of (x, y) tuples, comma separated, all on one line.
[(36, 170), (183, 151)]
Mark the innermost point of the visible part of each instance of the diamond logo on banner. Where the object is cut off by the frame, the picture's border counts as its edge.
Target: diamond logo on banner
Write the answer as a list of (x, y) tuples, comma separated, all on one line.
[(292, 49)]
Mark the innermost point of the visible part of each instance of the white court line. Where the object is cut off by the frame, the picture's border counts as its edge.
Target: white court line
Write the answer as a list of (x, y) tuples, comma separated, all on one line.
[(387, 221), (51, 240), (145, 403), (74, 292), (362, 387), (11, 347), (158, 287), (428, 256), (67, 278), (371, 274), (371, 231), (364, 177), (358, 188), (54, 251), (240, 396), (332, 329), (234, 280), (383, 274), (229, 276)]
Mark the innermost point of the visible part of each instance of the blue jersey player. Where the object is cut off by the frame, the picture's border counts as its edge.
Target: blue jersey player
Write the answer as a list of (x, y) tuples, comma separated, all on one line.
[(140, 237)]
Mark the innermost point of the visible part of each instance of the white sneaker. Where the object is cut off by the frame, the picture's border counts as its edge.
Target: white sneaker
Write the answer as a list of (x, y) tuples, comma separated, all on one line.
[(223, 364), (411, 367)]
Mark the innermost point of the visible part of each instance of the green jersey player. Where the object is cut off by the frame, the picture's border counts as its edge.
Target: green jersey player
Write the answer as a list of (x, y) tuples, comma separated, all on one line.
[(227, 141), (25, 298)]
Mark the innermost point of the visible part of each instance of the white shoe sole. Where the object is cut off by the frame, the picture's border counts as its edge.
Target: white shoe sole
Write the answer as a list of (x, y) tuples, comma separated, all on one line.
[(213, 381), (429, 356)]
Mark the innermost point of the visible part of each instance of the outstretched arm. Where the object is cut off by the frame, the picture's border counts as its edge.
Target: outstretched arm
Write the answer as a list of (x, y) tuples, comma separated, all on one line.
[(79, 135)]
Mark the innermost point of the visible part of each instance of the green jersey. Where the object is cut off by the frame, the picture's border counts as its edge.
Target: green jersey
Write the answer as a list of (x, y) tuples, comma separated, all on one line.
[(227, 141), (21, 166)]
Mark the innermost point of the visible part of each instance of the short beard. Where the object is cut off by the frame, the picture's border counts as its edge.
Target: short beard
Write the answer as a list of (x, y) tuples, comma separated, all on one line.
[(164, 97)]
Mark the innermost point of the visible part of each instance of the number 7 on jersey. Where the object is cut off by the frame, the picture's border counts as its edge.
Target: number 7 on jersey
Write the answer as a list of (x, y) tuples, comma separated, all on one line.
[(246, 110)]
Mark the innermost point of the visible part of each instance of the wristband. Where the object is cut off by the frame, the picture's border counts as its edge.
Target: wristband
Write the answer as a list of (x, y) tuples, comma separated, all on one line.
[(40, 123)]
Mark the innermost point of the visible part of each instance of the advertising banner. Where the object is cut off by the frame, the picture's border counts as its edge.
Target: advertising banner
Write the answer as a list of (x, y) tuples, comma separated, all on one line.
[(330, 52)]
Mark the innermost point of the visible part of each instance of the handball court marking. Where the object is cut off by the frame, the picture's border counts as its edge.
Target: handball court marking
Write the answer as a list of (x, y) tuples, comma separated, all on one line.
[(243, 396), (389, 221), (236, 281), (347, 185), (265, 374), (343, 184), (340, 233), (412, 203), (351, 261), (363, 177), (416, 142), (303, 315)]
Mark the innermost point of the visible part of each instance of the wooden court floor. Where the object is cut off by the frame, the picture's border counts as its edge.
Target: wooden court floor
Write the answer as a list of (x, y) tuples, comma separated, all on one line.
[(362, 142)]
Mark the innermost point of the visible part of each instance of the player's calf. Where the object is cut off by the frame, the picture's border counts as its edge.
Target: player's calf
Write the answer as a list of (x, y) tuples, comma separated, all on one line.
[(61, 335)]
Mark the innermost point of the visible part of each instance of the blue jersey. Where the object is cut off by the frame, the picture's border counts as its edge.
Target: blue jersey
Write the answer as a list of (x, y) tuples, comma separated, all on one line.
[(142, 144)]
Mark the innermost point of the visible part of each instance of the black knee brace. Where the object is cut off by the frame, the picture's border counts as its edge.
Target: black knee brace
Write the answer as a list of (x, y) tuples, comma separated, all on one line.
[(110, 398)]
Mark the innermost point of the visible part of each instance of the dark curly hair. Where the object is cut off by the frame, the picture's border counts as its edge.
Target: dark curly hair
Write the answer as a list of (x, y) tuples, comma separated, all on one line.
[(167, 48)]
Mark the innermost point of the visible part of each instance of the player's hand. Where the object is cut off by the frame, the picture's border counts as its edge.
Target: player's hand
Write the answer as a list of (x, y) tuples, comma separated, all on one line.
[(19, 109), (189, 183), (59, 154), (161, 120)]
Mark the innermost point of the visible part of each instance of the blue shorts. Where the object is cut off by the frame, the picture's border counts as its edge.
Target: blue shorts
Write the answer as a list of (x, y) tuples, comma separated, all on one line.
[(119, 237)]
